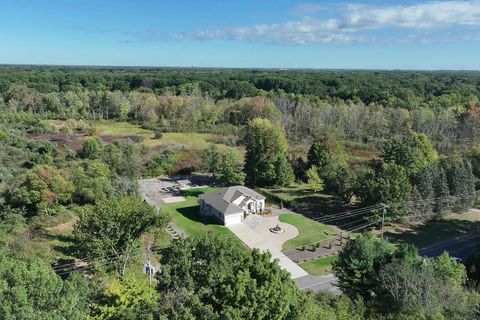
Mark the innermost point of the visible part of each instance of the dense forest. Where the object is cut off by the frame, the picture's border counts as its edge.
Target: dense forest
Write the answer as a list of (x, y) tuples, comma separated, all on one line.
[(74, 142)]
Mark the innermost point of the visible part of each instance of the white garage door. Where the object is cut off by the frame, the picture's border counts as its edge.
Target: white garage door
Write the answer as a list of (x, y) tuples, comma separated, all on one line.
[(233, 219)]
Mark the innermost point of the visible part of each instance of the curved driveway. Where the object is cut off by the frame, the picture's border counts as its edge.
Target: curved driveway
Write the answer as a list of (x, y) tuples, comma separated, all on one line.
[(255, 233)]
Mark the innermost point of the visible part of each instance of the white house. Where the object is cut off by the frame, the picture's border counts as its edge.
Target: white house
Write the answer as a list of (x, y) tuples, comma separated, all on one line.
[(231, 205)]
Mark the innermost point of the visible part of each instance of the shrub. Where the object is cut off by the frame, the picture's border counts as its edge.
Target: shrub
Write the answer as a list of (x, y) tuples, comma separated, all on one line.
[(92, 147), (186, 171)]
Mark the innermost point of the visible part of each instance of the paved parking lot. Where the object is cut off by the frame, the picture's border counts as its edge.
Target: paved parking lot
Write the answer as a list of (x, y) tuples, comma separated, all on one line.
[(255, 233)]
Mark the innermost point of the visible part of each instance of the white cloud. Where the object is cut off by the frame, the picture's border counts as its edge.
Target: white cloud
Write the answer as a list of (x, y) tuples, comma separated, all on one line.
[(430, 15), (354, 23)]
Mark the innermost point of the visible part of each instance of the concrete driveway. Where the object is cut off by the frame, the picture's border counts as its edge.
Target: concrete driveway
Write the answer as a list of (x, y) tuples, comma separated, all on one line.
[(255, 233)]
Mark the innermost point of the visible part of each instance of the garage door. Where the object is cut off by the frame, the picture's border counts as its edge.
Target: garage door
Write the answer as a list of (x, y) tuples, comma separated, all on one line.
[(233, 219)]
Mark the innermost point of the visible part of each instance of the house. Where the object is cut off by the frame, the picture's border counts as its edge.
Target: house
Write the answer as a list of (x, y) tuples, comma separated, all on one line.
[(231, 205)]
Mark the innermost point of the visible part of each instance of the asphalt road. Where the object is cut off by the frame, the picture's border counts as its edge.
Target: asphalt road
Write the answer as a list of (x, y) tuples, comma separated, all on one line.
[(461, 247), (318, 284)]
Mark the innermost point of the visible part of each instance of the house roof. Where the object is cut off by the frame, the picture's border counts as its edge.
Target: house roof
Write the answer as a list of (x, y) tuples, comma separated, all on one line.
[(222, 199)]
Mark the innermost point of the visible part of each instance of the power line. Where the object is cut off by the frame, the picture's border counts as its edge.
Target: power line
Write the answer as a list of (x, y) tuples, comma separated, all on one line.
[(449, 243), (371, 208), (67, 268), (353, 229), (343, 217)]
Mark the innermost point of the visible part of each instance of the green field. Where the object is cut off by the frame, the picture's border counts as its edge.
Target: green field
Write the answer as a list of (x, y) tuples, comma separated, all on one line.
[(185, 215), (309, 231), (192, 140), (319, 267)]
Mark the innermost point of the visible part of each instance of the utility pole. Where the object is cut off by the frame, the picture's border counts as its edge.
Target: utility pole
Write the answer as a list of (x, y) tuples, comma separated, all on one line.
[(384, 211), (148, 268)]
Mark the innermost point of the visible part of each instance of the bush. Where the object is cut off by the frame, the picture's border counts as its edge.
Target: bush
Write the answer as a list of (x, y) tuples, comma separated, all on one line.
[(158, 135), (92, 147), (137, 139), (186, 171)]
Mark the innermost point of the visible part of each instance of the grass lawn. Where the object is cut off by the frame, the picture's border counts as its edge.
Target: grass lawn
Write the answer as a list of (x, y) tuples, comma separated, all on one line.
[(304, 200), (319, 267), (309, 231), (423, 234), (186, 215)]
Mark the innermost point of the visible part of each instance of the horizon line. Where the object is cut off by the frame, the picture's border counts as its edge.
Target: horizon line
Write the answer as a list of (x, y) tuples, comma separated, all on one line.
[(101, 66)]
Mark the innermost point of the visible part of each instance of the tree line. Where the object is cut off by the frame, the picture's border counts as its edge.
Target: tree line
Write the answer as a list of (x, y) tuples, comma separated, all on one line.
[(404, 89)]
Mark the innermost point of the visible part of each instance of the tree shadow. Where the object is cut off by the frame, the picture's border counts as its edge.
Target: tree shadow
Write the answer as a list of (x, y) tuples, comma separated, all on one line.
[(321, 207), (194, 192), (65, 244), (432, 231)]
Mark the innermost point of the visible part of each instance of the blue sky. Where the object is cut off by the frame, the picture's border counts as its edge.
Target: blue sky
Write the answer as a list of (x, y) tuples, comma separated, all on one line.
[(243, 33)]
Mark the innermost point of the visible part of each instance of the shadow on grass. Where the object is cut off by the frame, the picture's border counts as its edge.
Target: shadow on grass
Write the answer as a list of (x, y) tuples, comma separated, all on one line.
[(433, 231), (195, 192), (64, 244), (322, 206), (192, 213)]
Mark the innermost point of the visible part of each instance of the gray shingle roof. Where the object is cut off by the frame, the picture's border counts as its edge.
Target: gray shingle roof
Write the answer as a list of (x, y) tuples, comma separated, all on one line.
[(222, 199)]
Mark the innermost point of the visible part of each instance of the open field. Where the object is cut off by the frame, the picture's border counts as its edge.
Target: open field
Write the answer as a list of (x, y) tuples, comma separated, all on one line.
[(309, 231), (197, 141), (109, 131), (185, 215), (319, 267), (423, 234)]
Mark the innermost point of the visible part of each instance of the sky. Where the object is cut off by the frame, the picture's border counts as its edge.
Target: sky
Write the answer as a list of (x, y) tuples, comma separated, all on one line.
[(366, 34)]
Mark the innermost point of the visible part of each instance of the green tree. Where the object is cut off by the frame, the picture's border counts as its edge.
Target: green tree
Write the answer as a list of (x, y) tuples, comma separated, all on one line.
[(212, 159), (91, 148), (131, 298), (474, 156), (284, 171), (92, 180), (358, 265), (206, 279), (343, 181), (424, 183), (463, 186), (411, 150), (314, 181), (330, 160), (130, 165), (431, 286), (111, 228), (388, 184), (266, 155), (112, 156), (442, 192), (321, 153), (419, 207), (42, 189), (32, 291), (231, 169)]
